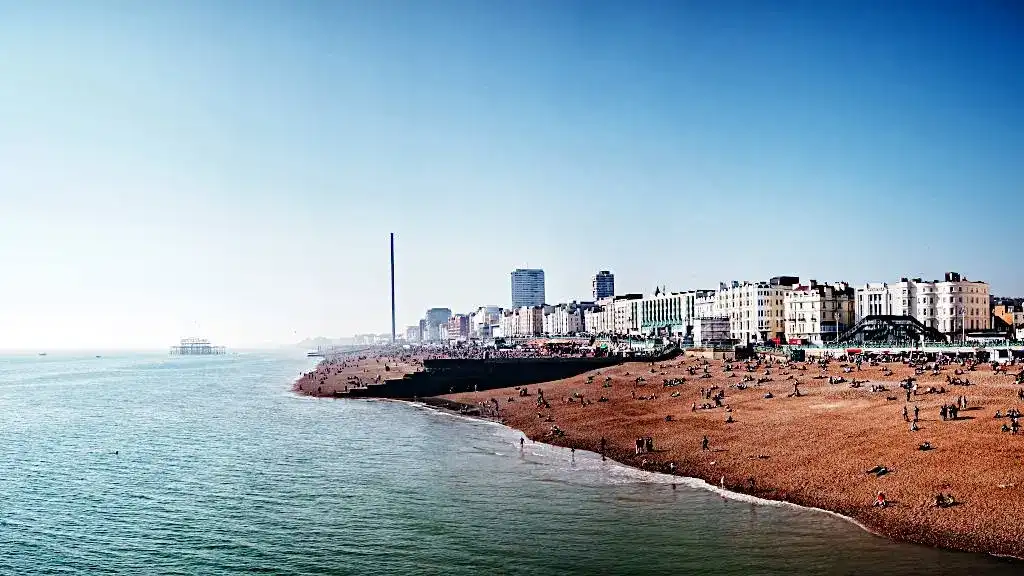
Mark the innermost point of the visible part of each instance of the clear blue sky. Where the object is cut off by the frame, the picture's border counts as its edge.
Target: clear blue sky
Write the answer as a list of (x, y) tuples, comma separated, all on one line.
[(232, 169)]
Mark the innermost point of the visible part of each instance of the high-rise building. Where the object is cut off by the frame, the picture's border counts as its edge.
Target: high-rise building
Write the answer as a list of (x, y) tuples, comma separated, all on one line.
[(434, 318), (527, 287), (603, 285)]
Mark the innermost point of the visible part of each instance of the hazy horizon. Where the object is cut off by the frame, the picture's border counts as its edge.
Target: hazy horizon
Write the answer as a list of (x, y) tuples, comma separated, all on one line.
[(232, 170)]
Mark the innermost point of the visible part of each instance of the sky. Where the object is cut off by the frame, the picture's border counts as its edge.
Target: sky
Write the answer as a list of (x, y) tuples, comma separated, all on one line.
[(232, 170)]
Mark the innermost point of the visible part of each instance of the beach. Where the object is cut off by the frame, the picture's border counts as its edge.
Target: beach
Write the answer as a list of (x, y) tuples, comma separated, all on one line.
[(814, 449), (343, 372)]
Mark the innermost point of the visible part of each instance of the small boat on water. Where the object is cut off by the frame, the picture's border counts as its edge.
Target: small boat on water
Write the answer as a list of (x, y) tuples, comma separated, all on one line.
[(42, 353)]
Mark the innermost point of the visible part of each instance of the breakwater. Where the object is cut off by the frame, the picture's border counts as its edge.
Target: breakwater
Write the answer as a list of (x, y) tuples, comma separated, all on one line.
[(453, 375)]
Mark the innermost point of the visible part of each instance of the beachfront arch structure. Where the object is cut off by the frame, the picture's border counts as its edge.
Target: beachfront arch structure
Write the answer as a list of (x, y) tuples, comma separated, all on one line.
[(891, 331)]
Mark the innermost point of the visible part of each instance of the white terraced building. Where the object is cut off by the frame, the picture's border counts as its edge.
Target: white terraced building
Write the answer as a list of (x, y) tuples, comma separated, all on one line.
[(818, 313), (755, 309), (600, 319), (563, 320), (706, 306), (482, 321), (951, 305)]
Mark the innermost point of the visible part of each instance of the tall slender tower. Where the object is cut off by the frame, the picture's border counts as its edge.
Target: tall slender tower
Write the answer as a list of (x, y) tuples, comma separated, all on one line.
[(392, 287)]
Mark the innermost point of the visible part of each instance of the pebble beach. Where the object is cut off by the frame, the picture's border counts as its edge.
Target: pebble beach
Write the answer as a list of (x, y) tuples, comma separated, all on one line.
[(814, 449)]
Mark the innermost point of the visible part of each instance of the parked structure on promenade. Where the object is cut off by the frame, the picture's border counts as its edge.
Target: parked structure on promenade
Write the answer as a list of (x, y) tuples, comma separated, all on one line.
[(603, 285), (711, 331), (527, 287), (951, 306), (817, 313)]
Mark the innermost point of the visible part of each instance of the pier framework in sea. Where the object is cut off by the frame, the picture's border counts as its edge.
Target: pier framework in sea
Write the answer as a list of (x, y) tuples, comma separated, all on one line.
[(196, 347)]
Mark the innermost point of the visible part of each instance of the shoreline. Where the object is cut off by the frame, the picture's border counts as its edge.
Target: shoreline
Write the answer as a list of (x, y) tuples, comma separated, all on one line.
[(690, 481), (810, 451), (695, 481)]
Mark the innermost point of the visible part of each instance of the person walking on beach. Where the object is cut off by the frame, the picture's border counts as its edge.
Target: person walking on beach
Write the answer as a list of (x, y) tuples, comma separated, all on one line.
[(704, 444), (916, 412), (522, 442), (906, 418)]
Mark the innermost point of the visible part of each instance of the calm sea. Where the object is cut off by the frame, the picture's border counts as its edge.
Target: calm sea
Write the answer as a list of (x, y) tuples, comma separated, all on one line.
[(141, 464)]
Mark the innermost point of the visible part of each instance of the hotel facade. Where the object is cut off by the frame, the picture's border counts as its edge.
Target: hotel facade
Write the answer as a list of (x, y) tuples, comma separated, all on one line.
[(951, 305)]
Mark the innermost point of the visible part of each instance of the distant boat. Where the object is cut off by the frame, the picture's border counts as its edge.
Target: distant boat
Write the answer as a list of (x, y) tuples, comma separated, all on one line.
[(42, 353), (98, 356), (314, 354)]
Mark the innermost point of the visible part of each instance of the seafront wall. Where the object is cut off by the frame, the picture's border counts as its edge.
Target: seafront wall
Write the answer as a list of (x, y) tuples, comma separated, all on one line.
[(449, 376)]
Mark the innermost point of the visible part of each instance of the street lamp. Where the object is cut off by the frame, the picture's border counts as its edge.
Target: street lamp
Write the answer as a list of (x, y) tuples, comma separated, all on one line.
[(836, 315)]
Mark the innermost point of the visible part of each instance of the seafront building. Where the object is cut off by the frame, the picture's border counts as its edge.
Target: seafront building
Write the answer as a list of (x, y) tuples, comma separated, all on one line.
[(483, 321), (706, 305), (670, 314), (522, 322), (626, 310), (599, 319), (603, 285), (779, 310), (817, 313), (952, 305), (755, 309), (433, 319), (566, 319), (617, 315), (458, 328), (527, 287)]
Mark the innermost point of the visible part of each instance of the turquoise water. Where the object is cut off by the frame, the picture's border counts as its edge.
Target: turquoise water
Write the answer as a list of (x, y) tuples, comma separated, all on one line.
[(153, 465)]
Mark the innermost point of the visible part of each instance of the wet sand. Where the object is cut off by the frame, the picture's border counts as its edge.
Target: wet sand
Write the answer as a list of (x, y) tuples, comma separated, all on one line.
[(813, 450)]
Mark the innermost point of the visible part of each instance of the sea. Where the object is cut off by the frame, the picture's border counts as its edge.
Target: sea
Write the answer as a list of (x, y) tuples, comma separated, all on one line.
[(150, 464)]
